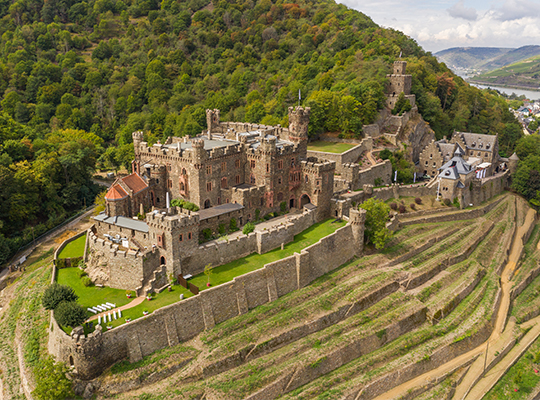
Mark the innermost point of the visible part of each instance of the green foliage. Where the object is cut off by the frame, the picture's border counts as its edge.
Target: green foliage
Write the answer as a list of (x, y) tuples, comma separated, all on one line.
[(55, 294), (232, 225), (86, 281), (283, 206), (184, 204), (248, 228), (456, 202), (207, 233), (221, 229), (377, 215), (51, 381), (70, 313), (402, 105)]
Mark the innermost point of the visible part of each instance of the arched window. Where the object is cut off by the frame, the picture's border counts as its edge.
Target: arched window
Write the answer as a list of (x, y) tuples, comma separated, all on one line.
[(184, 172), (207, 203), (162, 260), (306, 179), (182, 187), (252, 180)]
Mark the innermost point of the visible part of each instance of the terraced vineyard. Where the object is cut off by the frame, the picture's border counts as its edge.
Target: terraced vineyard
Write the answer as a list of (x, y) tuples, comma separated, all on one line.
[(408, 322), (371, 325)]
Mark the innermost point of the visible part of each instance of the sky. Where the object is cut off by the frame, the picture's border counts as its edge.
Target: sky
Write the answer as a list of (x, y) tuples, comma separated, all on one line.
[(438, 25)]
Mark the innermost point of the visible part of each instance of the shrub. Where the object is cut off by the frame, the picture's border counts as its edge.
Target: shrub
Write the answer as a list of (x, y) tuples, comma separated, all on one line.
[(86, 281), (184, 204), (221, 229), (402, 209), (70, 313), (207, 233), (413, 206), (283, 206), (51, 381), (55, 294), (393, 206), (75, 261), (447, 202), (378, 182), (82, 273), (60, 263), (232, 225), (248, 228), (418, 200), (456, 202)]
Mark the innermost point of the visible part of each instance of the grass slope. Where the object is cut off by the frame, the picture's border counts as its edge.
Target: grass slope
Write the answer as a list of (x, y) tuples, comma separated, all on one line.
[(74, 248), (330, 147)]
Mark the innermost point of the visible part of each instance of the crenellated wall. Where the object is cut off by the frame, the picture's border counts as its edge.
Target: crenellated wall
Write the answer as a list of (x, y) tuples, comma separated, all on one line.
[(183, 320)]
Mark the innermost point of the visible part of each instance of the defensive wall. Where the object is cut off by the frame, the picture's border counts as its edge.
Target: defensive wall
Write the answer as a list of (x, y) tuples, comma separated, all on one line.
[(181, 321), (65, 243), (347, 157), (352, 178)]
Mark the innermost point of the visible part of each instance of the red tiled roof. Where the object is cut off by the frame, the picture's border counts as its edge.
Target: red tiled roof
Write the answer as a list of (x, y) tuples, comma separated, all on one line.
[(116, 192), (135, 182)]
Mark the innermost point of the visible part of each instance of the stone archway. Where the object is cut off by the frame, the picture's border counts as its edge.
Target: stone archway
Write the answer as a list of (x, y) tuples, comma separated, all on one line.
[(162, 261), (304, 200), (291, 202)]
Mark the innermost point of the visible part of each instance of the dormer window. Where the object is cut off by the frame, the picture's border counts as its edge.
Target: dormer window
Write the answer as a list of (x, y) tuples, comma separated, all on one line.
[(473, 144), (447, 173), (488, 146), (480, 145)]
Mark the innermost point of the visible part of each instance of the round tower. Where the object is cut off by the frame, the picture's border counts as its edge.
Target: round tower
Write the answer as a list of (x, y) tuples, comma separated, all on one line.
[(298, 123), (138, 137), (199, 151), (212, 120), (357, 219), (513, 162)]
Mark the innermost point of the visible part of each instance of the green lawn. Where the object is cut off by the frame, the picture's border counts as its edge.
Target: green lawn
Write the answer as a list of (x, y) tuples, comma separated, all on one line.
[(74, 248), (330, 147), (91, 296), (227, 272), (159, 300)]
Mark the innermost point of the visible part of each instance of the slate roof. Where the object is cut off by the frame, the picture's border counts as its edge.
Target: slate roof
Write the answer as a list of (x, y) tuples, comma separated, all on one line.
[(450, 173), (478, 141), (219, 210), (462, 167), (123, 222)]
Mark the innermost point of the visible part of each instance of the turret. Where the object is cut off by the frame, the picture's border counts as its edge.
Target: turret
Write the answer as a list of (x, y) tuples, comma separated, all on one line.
[(357, 219), (199, 151), (138, 137), (399, 67), (513, 162), (298, 127), (212, 121)]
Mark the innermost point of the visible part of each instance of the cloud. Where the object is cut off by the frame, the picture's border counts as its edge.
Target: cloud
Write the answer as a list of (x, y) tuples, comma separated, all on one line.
[(459, 10), (513, 10)]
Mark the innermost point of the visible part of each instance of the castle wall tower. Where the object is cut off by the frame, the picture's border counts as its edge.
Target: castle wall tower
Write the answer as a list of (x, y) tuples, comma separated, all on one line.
[(357, 219), (212, 121), (298, 127), (137, 139), (513, 163), (198, 180)]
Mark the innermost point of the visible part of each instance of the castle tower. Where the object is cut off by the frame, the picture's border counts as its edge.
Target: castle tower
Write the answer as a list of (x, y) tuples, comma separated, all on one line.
[(513, 163), (399, 82), (298, 127), (137, 139), (357, 219), (212, 121)]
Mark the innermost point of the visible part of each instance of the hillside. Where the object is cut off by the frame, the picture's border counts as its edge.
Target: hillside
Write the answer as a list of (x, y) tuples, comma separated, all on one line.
[(77, 78), (485, 58), (470, 57), (524, 74)]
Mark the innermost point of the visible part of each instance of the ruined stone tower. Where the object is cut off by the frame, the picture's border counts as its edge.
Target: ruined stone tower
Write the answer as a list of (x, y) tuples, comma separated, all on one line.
[(137, 139), (357, 219), (212, 120), (399, 82)]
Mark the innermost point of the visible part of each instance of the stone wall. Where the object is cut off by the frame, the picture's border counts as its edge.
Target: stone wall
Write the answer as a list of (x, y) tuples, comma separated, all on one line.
[(65, 243), (183, 320), (347, 157)]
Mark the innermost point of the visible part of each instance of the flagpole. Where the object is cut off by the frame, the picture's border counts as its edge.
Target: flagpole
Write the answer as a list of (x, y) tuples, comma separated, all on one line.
[(299, 97)]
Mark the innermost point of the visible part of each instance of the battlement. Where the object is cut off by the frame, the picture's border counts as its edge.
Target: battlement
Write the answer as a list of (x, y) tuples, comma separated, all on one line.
[(318, 166), (197, 143), (113, 248), (224, 151), (173, 218), (299, 111)]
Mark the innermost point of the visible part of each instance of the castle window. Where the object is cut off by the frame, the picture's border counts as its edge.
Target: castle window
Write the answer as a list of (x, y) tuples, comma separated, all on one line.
[(306, 179), (208, 186), (184, 172), (252, 180), (169, 168), (182, 186), (318, 183), (227, 201), (237, 163), (223, 167), (189, 236), (157, 180), (160, 240), (262, 201), (479, 154), (426, 163), (237, 179), (169, 183), (219, 202), (208, 169), (252, 163), (181, 238), (267, 167), (280, 164), (434, 165), (157, 199), (223, 183), (292, 162), (279, 181), (207, 203), (430, 156)]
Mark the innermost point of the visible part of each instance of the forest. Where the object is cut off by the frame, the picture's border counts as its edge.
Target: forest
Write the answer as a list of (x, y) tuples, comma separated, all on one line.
[(77, 78)]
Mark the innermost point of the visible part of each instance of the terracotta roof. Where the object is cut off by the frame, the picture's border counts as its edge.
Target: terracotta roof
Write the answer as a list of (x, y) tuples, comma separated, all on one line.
[(135, 183), (115, 193)]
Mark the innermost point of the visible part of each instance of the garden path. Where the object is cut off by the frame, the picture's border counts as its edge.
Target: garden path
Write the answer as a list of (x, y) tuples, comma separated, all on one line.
[(135, 302)]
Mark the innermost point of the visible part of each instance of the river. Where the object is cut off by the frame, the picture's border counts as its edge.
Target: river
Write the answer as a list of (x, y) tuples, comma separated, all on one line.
[(529, 94)]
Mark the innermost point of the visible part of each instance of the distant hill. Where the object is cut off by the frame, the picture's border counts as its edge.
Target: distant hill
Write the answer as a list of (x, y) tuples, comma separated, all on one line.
[(525, 73), (485, 58), (470, 57)]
